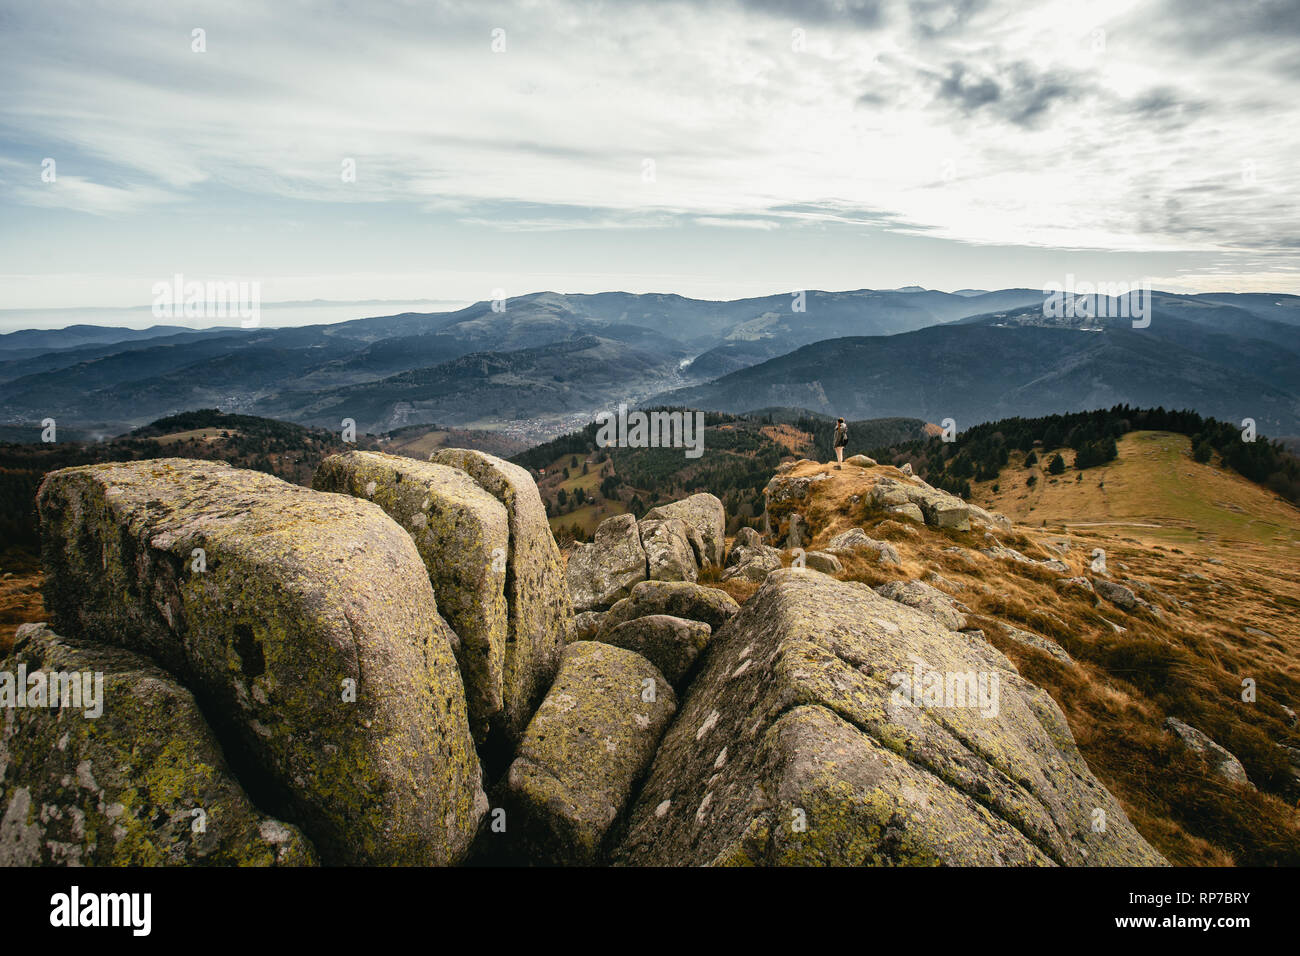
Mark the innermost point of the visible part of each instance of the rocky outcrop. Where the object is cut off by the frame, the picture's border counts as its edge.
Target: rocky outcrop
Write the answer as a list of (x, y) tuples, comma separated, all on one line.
[(588, 744), (1219, 759), (141, 782), (463, 536), (694, 602), (801, 742), (750, 559), (1030, 639), (823, 562), (671, 644), (537, 594), (604, 570), (797, 533), (785, 488), (938, 508), (305, 620), (704, 513), (668, 550), (856, 541), (927, 598)]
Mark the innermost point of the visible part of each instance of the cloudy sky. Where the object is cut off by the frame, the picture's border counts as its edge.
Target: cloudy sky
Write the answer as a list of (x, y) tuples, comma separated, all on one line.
[(714, 149)]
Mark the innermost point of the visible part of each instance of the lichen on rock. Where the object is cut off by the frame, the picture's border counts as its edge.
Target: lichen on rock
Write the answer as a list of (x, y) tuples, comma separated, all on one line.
[(306, 623), (143, 783), (462, 535)]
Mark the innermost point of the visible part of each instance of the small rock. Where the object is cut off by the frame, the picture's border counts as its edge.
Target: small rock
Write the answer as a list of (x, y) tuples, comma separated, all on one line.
[(587, 625), (823, 562), (695, 602), (1220, 760), (856, 540), (1030, 639), (671, 644)]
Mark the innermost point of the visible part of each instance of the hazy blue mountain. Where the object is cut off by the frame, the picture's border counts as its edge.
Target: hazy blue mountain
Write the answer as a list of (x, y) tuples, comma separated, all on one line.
[(554, 386), (518, 363), (982, 371), (35, 341), (149, 374)]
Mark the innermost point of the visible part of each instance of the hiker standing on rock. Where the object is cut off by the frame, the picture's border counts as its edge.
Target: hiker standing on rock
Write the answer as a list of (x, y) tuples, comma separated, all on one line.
[(841, 439)]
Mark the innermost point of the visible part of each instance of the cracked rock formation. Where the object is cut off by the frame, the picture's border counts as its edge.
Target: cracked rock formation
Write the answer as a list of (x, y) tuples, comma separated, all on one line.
[(305, 624), (585, 749), (462, 535), (801, 742), (540, 613), (143, 783)]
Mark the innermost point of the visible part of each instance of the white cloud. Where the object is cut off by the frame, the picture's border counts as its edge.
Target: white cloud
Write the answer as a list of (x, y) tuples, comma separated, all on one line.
[(1005, 125)]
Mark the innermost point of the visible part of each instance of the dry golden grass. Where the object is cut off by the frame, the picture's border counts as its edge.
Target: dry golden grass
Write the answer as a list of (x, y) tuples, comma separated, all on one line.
[(20, 595)]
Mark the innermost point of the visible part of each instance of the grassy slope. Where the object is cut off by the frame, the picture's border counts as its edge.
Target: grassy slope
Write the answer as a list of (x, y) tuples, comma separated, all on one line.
[(1188, 662), (1154, 482)]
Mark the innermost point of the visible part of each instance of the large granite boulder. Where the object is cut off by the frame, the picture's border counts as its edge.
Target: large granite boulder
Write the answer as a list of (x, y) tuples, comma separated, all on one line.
[(801, 742), (584, 750), (785, 488), (992, 520), (940, 509), (604, 570), (695, 602), (304, 621), (668, 550), (130, 776), (704, 513), (671, 644), (462, 535), (537, 593)]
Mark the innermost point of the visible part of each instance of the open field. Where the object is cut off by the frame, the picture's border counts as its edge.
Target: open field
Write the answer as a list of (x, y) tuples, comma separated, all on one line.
[(198, 434)]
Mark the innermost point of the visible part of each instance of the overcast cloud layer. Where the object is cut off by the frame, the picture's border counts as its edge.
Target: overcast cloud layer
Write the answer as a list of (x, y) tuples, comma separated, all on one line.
[(716, 149)]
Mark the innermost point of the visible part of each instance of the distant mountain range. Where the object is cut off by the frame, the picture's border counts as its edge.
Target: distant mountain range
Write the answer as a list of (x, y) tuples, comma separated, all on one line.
[(1228, 361), (546, 361)]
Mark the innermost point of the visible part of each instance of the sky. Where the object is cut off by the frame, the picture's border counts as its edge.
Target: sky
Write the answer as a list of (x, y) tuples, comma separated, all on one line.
[(712, 149)]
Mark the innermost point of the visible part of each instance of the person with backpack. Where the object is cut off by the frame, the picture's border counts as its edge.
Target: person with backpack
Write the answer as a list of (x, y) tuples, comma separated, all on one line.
[(841, 440)]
